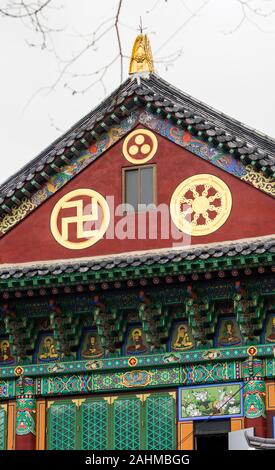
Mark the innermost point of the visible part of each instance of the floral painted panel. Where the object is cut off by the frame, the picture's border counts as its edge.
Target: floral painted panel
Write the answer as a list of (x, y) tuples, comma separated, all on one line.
[(215, 401)]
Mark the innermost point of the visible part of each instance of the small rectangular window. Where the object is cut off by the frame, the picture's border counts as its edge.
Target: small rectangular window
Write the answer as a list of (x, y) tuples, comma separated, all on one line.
[(131, 187), (147, 185), (139, 186)]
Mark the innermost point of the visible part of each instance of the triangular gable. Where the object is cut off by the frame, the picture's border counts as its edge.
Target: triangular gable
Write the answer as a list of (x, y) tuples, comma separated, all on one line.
[(189, 123), (246, 210)]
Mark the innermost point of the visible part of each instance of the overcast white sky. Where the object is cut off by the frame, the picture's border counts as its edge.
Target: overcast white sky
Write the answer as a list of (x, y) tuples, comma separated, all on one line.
[(233, 72)]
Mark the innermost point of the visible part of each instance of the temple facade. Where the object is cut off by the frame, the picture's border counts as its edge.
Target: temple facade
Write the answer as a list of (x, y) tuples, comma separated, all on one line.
[(137, 287)]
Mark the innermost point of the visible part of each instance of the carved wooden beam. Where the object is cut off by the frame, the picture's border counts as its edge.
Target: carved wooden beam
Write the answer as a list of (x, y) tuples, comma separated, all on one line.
[(64, 326), (21, 332), (110, 325), (201, 318), (249, 310)]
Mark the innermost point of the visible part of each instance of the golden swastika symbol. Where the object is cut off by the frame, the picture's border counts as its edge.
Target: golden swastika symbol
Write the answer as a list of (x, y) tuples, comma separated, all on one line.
[(83, 215)]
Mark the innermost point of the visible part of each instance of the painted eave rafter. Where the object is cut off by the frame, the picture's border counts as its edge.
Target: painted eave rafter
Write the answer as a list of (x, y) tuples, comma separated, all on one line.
[(257, 253)]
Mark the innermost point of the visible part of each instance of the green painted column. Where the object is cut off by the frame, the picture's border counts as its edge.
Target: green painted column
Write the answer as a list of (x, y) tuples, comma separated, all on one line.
[(254, 396), (25, 413)]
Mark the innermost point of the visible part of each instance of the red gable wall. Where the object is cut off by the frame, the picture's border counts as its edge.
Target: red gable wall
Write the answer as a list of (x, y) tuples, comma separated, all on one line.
[(252, 211)]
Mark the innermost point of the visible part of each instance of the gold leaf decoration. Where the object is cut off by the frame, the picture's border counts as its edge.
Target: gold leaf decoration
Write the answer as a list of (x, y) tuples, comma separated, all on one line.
[(259, 181), (17, 214)]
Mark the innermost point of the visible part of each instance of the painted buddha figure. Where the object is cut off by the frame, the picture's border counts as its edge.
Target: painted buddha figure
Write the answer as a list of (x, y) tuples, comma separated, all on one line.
[(92, 348), (136, 346), (271, 336), (48, 350), (229, 337), (182, 341), (5, 354)]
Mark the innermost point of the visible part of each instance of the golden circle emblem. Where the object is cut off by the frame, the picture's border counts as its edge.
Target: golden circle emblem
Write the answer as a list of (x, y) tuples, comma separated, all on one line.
[(200, 205), (88, 209), (140, 146), (18, 371), (132, 361), (252, 351)]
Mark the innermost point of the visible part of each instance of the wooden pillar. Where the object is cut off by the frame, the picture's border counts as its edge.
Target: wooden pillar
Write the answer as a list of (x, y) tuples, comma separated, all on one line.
[(270, 407), (25, 413), (254, 406), (185, 435), (254, 394), (237, 424), (11, 425), (40, 424), (270, 395)]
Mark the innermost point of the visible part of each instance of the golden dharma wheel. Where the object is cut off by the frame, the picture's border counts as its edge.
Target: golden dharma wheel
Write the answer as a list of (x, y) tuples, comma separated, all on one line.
[(200, 205)]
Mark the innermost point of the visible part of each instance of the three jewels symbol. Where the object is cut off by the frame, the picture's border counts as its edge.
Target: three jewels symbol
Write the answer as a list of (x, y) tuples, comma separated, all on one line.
[(80, 219), (140, 146)]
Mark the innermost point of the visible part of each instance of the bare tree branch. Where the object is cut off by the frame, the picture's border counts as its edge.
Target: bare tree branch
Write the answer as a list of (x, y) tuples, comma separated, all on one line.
[(14, 9), (32, 13), (252, 12), (92, 39), (193, 15), (119, 40)]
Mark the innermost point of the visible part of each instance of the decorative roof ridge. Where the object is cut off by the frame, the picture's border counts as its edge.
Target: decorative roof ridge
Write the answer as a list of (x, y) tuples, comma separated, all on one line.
[(180, 93), (222, 248), (249, 145), (114, 96)]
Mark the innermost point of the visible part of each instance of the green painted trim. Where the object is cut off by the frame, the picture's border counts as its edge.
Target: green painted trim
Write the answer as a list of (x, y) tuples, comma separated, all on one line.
[(183, 267), (3, 428), (81, 384), (143, 361)]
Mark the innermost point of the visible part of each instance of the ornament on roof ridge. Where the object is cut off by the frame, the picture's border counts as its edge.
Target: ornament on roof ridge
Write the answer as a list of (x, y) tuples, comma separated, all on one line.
[(141, 58)]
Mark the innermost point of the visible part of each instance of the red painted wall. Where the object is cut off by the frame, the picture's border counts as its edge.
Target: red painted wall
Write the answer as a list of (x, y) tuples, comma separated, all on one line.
[(252, 211), (259, 425), (269, 422), (27, 442)]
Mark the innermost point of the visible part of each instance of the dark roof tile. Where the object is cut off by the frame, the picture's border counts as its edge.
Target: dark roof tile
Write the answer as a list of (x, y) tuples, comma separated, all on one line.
[(237, 248)]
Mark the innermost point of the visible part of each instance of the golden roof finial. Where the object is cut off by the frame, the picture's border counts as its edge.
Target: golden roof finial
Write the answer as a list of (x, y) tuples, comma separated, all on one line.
[(141, 58)]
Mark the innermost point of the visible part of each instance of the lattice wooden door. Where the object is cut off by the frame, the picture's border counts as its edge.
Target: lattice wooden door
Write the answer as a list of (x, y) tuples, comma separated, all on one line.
[(96, 423), (161, 421), (127, 422), (62, 425)]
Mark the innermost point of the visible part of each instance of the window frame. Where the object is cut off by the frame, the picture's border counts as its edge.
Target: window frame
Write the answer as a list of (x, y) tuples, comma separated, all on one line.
[(139, 168)]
